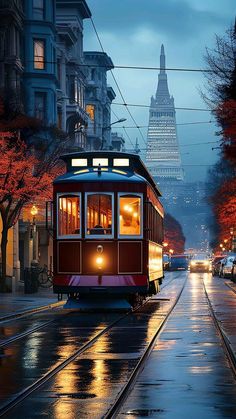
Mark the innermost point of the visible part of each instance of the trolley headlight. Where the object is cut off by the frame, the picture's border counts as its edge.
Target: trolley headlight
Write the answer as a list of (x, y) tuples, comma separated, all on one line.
[(99, 262)]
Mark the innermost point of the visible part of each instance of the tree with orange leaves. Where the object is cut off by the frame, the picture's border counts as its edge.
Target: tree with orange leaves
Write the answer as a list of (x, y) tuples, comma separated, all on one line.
[(226, 115), (221, 88), (225, 207), (23, 178), (173, 234)]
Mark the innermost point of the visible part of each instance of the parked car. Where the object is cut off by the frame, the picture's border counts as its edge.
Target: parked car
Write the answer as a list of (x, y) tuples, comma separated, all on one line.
[(226, 267), (178, 262), (200, 263), (234, 270), (216, 263), (166, 262)]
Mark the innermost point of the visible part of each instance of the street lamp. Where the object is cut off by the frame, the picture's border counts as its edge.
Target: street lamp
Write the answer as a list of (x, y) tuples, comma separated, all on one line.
[(108, 128), (34, 212)]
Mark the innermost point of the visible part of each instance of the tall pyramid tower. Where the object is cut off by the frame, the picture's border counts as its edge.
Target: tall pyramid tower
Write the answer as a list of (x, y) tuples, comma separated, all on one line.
[(162, 155)]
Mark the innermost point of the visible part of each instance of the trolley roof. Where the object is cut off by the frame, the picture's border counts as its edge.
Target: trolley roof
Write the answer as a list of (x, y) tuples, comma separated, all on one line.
[(112, 165)]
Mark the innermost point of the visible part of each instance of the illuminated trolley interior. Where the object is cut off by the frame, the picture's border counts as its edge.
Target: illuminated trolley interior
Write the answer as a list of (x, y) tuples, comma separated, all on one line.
[(109, 227)]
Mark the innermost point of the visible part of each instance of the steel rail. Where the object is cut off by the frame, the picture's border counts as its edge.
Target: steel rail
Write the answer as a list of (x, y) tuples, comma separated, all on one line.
[(124, 393), (23, 394), (25, 313), (24, 334), (226, 343)]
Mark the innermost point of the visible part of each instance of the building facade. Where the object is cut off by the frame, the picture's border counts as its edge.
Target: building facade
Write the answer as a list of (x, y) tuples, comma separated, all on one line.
[(98, 99), (40, 77), (162, 155), (11, 30), (71, 71), (117, 141)]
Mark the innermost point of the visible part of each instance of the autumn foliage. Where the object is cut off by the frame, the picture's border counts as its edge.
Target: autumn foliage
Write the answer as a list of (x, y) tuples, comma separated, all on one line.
[(24, 178), (225, 208), (226, 115), (222, 97), (173, 234)]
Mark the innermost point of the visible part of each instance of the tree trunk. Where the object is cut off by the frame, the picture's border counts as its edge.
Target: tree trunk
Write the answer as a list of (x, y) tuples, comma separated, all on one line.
[(4, 259)]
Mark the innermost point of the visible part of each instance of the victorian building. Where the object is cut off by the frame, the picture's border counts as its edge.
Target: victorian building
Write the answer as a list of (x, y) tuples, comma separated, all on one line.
[(98, 99), (11, 30), (71, 71), (40, 78)]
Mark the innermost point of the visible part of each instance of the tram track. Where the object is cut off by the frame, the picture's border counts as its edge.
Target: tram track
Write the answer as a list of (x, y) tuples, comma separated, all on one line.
[(224, 339), (124, 393), (19, 397), (35, 310), (23, 394), (28, 332)]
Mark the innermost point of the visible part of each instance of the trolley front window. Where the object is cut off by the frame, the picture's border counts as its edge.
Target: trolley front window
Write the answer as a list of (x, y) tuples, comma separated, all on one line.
[(130, 215), (99, 215), (68, 215)]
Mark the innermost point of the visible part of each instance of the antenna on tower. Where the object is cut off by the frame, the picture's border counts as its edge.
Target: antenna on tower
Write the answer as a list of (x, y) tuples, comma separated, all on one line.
[(136, 148)]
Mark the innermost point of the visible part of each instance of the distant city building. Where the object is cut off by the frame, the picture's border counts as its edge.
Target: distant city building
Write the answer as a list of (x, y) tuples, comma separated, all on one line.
[(72, 117), (99, 97), (117, 142), (163, 156)]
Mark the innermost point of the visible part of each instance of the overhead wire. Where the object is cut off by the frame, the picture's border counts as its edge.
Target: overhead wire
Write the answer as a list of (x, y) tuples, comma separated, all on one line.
[(125, 67), (117, 85), (148, 106), (126, 133), (178, 124)]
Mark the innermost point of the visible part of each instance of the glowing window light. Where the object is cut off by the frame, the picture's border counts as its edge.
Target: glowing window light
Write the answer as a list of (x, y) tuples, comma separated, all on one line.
[(79, 162), (100, 161), (121, 162), (121, 172)]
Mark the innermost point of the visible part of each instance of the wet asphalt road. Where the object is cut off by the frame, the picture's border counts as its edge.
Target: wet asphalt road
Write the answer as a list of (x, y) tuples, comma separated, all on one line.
[(187, 374)]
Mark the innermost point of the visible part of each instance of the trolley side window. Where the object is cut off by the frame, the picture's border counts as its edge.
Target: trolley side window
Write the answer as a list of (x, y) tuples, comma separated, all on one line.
[(99, 215), (68, 215), (130, 215)]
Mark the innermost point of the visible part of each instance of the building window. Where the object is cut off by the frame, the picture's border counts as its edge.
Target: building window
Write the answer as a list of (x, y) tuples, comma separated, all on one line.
[(90, 109), (38, 9), (39, 54), (40, 106)]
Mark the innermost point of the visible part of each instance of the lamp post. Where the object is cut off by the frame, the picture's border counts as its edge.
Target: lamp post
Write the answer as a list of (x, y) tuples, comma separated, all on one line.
[(233, 239), (108, 128), (34, 212)]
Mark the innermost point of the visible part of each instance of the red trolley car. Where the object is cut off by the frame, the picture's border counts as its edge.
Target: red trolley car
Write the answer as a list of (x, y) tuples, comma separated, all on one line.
[(109, 227)]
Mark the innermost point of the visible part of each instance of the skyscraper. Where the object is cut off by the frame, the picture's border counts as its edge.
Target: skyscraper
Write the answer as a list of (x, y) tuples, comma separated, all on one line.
[(162, 155)]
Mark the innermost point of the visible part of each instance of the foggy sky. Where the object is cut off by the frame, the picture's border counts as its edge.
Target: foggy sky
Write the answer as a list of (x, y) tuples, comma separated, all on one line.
[(132, 32)]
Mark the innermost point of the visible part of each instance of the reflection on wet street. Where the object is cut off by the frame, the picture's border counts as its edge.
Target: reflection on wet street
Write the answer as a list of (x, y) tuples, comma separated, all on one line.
[(90, 383), (186, 376)]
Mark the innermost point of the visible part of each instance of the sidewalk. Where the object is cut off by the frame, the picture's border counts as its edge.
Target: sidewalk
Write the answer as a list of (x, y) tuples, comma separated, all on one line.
[(13, 303)]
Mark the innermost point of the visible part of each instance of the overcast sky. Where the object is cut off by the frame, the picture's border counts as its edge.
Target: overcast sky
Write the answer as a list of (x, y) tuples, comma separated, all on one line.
[(132, 32)]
